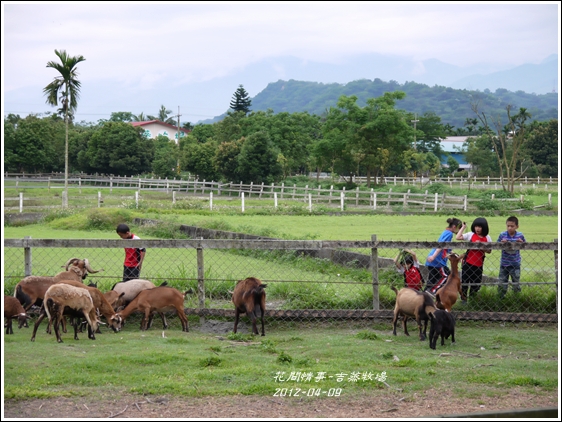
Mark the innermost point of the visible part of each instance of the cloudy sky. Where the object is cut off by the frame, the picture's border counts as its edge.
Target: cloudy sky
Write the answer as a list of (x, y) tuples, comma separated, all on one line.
[(133, 48)]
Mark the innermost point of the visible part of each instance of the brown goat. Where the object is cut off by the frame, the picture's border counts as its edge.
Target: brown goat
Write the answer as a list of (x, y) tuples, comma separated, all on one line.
[(31, 289), (249, 297), (414, 304), (158, 299), (99, 300), (59, 296), (447, 295), (13, 309), (130, 290)]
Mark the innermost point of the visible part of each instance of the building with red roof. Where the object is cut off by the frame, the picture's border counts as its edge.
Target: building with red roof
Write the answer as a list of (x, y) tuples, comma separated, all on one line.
[(153, 128)]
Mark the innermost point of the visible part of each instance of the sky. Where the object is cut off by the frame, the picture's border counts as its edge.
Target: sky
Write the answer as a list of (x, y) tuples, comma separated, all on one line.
[(134, 49)]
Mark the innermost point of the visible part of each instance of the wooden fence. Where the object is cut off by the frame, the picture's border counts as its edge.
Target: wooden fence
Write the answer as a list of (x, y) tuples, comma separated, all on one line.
[(311, 195)]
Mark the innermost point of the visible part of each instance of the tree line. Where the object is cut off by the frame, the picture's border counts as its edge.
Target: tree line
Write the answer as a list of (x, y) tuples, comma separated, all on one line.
[(349, 139)]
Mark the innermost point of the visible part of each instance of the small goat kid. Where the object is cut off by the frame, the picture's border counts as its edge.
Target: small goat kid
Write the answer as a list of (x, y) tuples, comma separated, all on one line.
[(447, 295), (442, 324), (249, 297), (12, 310), (59, 296), (158, 299), (414, 304)]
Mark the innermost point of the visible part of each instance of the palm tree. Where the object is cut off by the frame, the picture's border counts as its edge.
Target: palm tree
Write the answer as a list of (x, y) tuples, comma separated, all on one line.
[(163, 116), (140, 118), (68, 87)]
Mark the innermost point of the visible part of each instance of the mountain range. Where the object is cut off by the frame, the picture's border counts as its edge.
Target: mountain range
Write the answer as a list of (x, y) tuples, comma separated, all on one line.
[(208, 101), (536, 85)]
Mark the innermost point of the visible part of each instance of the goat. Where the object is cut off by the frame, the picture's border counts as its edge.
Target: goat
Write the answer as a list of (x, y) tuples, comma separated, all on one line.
[(158, 299), (442, 324), (59, 296), (100, 302), (13, 309), (447, 295), (31, 289), (249, 297), (414, 304), (130, 290)]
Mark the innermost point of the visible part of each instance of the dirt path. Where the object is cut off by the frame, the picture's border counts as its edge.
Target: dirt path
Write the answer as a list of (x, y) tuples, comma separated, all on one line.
[(384, 405)]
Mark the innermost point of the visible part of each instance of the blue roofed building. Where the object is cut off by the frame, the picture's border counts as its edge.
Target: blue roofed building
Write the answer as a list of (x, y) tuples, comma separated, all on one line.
[(453, 145)]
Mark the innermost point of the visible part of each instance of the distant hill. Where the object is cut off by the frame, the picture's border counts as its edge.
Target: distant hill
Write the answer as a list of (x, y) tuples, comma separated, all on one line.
[(452, 105)]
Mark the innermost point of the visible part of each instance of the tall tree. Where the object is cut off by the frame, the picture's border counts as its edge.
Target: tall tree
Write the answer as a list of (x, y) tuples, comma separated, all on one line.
[(542, 147), (508, 141), (241, 100), (68, 87)]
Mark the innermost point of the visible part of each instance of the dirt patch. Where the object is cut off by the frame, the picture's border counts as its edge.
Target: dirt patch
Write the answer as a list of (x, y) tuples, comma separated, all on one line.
[(383, 404)]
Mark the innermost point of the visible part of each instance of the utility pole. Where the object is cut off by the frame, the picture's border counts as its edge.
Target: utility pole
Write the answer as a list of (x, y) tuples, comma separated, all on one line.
[(178, 142), (414, 122)]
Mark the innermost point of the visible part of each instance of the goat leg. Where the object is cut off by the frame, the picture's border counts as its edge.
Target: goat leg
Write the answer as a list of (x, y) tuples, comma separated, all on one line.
[(236, 318)]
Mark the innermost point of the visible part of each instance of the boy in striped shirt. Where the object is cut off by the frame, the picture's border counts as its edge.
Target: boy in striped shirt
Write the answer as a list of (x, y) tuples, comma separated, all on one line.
[(510, 263)]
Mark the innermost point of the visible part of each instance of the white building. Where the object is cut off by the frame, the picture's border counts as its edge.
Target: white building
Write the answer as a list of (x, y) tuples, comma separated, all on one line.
[(153, 128)]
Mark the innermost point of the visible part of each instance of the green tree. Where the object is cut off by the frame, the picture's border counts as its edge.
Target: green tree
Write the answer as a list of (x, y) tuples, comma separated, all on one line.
[(122, 116), (68, 87), (478, 151), (241, 100), (225, 161), (429, 132), (34, 145), (198, 159), (376, 135), (165, 157), (542, 147), (120, 149), (257, 161)]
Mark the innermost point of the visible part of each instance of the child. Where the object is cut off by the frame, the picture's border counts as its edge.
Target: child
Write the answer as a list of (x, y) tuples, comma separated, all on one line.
[(133, 256), (510, 263), (407, 264), (436, 261), (473, 262)]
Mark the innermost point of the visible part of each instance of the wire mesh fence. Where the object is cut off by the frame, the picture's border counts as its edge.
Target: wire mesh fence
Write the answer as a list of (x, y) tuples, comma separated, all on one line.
[(307, 280)]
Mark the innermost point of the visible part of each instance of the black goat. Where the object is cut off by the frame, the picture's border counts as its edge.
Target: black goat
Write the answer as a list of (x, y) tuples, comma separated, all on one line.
[(442, 324)]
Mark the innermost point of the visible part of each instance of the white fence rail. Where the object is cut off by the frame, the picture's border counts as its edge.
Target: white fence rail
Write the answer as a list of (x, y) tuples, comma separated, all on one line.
[(180, 189)]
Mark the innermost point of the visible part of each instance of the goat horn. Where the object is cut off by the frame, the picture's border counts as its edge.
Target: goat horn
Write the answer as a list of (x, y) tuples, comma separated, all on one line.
[(87, 266), (71, 261)]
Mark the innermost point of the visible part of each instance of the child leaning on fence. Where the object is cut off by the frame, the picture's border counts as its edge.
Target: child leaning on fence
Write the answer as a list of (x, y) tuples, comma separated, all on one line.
[(510, 263), (407, 264)]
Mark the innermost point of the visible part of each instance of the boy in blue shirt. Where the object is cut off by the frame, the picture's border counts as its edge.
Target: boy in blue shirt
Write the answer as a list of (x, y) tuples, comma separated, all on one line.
[(510, 263)]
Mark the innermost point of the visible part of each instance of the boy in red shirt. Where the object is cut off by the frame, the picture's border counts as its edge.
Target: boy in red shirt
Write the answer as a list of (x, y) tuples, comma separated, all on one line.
[(407, 264), (133, 256)]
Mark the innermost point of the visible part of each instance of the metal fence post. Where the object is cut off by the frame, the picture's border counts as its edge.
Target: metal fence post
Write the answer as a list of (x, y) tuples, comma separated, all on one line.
[(200, 280), (27, 258), (375, 271)]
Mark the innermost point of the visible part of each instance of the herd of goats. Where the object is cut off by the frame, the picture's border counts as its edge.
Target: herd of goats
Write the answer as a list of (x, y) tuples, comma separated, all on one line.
[(65, 294)]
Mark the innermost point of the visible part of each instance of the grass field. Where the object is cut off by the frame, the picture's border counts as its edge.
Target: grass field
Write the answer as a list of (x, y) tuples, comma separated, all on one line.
[(487, 359)]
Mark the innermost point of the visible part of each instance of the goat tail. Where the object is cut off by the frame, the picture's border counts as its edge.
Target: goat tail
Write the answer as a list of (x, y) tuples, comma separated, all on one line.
[(394, 288), (437, 298), (23, 297), (164, 283)]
